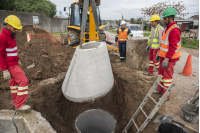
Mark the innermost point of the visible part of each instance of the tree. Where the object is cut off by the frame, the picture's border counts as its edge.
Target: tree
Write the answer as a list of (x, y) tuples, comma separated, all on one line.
[(132, 20), (44, 7), (161, 6), (118, 22), (139, 18), (7, 4)]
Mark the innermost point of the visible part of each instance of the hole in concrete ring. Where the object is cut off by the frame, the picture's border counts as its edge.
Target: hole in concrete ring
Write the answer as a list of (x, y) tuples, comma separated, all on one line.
[(95, 121), (91, 45)]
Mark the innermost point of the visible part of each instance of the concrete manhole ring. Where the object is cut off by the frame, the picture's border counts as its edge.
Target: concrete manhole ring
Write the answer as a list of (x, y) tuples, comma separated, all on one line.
[(95, 121)]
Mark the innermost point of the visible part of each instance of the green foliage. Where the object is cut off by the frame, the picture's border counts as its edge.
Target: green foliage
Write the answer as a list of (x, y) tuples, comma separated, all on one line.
[(44, 7), (146, 34), (138, 22), (139, 19), (113, 31), (57, 34), (132, 20), (187, 43), (7, 5), (118, 22), (183, 40)]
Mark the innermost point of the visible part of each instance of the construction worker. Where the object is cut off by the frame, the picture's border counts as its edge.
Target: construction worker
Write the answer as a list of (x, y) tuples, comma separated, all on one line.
[(154, 43), (170, 49), (10, 63), (121, 37)]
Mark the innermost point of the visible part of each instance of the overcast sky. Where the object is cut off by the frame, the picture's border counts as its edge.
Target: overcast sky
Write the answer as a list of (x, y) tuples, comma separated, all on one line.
[(110, 9)]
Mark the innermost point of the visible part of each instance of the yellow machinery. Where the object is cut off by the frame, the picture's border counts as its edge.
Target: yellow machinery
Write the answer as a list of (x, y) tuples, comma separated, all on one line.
[(73, 37)]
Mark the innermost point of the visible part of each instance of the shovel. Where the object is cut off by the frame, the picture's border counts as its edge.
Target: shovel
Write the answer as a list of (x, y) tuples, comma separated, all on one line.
[(169, 119)]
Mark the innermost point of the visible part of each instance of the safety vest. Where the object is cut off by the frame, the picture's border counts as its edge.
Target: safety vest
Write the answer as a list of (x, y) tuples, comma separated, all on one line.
[(123, 35), (155, 43), (164, 45)]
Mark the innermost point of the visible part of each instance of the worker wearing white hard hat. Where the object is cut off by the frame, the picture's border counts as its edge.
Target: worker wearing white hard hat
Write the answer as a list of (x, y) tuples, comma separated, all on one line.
[(122, 35)]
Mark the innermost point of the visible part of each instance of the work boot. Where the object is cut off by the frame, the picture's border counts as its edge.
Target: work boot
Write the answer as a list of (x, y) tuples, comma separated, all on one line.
[(24, 107), (157, 92), (165, 99), (147, 73)]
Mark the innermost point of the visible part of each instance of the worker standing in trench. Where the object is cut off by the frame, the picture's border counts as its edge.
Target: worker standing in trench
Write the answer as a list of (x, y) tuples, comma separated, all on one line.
[(154, 44), (121, 37), (170, 49), (10, 63)]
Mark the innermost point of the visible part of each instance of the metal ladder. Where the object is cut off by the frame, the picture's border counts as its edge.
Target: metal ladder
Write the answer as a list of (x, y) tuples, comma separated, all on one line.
[(155, 109)]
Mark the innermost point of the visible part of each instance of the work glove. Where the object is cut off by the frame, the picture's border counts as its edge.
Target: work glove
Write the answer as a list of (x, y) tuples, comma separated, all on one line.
[(165, 63), (157, 57), (6, 75), (148, 48), (20, 64)]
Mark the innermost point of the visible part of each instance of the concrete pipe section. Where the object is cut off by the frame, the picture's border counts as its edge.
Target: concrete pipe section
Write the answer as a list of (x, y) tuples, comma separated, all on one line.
[(90, 74), (95, 121)]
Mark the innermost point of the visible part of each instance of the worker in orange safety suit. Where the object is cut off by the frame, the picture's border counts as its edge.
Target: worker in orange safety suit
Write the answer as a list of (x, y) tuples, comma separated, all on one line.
[(170, 49)]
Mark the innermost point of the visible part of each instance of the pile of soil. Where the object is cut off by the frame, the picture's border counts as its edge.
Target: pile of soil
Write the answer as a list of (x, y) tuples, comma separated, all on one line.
[(22, 36), (49, 59)]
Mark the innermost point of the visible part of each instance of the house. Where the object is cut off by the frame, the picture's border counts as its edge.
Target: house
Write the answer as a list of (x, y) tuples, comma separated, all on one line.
[(187, 24), (195, 17)]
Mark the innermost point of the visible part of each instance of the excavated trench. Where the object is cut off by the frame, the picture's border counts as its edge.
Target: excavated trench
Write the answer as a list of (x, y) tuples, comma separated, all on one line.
[(121, 102), (130, 88), (61, 113)]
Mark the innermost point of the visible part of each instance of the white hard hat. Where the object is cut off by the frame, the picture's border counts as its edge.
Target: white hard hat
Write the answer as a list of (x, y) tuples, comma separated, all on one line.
[(123, 22)]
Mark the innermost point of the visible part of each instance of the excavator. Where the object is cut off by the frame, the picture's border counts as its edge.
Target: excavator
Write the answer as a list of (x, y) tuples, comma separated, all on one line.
[(85, 24)]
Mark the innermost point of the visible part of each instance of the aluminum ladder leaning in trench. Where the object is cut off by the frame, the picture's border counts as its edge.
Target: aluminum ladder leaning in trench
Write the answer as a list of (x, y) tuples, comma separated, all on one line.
[(155, 109)]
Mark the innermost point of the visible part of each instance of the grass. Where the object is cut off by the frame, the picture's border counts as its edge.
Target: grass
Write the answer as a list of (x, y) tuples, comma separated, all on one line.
[(147, 30), (113, 31), (146, 34), (187, 43), (57, 34)]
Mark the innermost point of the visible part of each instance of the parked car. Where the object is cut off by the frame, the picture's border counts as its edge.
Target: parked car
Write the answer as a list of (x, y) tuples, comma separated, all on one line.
[(136, 30), (111, 27)]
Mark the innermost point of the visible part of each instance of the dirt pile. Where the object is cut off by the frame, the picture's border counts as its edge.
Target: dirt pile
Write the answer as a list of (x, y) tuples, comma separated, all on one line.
[(34, 30), (46, 58)]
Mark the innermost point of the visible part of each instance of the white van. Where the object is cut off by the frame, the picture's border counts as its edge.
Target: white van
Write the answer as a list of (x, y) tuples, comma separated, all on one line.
[(136, 30)]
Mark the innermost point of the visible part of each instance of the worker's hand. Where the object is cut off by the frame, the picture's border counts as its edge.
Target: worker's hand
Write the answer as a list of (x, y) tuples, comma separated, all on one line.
[(115, 43), (157, 57), (130, 37), (6, 75), (20, 64), (165, 63), (148, 48)]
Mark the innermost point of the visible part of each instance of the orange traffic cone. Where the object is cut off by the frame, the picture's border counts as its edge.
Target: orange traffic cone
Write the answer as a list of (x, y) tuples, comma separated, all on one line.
[(187, 71), (107, 37)]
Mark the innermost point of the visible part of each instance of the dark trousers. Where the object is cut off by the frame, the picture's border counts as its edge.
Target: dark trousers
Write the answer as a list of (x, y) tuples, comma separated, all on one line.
[(122, 50)]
